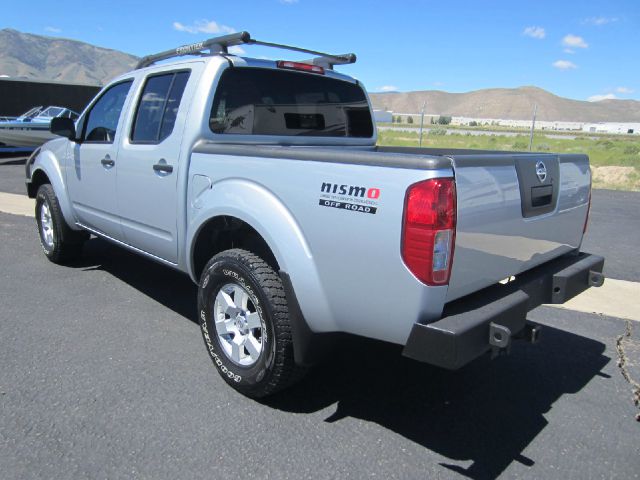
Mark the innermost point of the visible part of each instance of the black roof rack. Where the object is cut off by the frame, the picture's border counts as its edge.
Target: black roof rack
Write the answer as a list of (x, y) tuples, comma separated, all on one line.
[(220, 45)]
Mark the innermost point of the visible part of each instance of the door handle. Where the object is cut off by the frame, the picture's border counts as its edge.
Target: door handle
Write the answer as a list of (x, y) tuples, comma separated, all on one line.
[(107, 162), (163, 167)]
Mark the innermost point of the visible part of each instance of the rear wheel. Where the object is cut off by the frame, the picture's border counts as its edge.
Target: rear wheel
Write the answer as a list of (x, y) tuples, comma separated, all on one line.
[(59, 243), (245, 323)]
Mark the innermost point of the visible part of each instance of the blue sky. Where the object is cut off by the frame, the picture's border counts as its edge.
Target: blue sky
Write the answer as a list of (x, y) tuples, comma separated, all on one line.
[(577, 49)]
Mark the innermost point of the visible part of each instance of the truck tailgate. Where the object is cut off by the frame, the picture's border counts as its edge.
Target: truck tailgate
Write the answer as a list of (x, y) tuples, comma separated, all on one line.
[(515, 212)]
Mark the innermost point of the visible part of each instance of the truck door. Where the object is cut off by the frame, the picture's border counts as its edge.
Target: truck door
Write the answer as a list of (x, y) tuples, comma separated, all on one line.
[(149, 165), (91, 178)]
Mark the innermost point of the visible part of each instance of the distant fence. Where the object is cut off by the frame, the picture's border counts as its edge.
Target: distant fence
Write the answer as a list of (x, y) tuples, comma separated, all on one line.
[(18, 96)]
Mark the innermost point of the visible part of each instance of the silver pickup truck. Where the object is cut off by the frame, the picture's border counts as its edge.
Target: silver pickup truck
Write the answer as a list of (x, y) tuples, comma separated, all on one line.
[(263, 182)]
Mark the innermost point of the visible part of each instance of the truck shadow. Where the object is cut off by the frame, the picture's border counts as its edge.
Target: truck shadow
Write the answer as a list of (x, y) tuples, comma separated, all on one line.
[(486, 413), (171, 288), (483, 416)]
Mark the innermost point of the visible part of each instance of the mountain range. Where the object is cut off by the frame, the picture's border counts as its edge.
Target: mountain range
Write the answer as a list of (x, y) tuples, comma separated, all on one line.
[(509, 103), (38, 57)]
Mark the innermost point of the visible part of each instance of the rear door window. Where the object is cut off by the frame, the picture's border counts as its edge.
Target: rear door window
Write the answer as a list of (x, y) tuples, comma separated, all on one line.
[(158, 107), (260, 101)]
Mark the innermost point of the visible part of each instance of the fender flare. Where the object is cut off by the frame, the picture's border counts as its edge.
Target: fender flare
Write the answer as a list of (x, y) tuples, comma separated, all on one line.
[(255, 205), (47, 163)]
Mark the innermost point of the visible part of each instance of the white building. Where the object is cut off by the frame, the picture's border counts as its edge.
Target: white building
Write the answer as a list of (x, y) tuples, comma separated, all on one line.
[(415, 117), (610, 127), (627, 128), (501, 122), (383, 116)]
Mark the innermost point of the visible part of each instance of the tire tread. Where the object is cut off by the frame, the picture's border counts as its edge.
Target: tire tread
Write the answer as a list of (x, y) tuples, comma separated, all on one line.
[(285, 372), (68, 245)]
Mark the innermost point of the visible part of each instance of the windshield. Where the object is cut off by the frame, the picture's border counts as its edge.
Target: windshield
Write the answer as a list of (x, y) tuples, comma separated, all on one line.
[(259, 101), (51, 112), (30, 113)]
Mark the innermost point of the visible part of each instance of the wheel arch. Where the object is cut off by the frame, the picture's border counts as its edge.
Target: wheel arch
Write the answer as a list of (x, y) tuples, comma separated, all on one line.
[(276, 231), (38, 179), (224, 232), (46, 169)]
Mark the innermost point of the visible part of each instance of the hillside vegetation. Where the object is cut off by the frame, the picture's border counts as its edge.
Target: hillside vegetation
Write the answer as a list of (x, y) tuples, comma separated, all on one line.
[(36, 57)]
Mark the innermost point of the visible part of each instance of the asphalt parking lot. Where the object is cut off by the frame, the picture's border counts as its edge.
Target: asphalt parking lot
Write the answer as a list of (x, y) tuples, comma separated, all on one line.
[(104, 375)]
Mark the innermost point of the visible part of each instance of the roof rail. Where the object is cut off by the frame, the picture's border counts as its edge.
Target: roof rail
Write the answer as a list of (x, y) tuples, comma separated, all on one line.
[(220, 45)]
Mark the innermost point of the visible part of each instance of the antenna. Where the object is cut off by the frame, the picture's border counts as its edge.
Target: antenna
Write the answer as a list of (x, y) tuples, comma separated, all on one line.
[(533, 125)]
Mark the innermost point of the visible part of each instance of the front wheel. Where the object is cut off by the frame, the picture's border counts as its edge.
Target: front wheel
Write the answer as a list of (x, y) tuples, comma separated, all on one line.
[(59, 243), (245, 323)]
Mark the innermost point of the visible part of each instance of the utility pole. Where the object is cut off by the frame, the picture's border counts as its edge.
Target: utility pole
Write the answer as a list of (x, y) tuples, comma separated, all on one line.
[(424, 104), (533, 125)]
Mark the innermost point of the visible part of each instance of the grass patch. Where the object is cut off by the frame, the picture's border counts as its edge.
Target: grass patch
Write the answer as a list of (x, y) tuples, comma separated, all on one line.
[(609, 151)]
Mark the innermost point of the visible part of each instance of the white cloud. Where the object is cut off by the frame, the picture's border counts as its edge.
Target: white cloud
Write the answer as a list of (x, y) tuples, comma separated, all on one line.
[(535, 32), (597, 98), (203, 26), (599, 21), (52, 29), (288, 2), (624, 90), (237, 50), (388, 88), (574, 41), (564, 65), (568, 50)]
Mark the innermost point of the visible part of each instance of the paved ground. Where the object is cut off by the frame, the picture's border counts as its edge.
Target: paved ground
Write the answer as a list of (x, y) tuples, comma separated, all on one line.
[(614, 230), (104, 375), (12, 174)]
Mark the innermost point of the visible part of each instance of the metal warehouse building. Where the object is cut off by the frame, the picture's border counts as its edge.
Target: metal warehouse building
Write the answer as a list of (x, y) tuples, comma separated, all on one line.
[(623, 128)]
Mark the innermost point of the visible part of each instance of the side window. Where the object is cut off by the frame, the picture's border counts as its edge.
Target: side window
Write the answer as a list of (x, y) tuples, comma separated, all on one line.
[(158, 107), (102, 121)]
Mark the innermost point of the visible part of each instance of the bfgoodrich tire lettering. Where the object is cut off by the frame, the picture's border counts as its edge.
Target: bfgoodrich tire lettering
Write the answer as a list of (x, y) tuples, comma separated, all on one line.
[(271, 367), (59, 243)]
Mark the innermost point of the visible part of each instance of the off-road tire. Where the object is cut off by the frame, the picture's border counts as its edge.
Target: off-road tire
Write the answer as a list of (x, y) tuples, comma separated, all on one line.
[(275, 368), (67, 243)]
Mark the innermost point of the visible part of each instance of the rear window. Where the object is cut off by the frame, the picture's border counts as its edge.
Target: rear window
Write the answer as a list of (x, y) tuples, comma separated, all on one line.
[(258, 101), (158, 107)]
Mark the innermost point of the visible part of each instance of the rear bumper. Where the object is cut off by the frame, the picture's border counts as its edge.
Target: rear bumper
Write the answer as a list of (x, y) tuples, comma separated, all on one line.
[(490, 318)]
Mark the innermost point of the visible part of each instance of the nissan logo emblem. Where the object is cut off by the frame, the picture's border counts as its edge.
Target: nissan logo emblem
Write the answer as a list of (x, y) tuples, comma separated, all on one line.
[(541, 171)]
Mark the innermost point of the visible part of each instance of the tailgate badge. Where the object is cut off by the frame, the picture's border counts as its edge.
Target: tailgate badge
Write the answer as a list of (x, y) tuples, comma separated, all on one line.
[(541, 171)]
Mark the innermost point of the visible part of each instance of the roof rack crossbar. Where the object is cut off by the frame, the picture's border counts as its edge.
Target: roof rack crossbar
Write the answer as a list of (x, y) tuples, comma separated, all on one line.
[(220, 45), (327, 60)]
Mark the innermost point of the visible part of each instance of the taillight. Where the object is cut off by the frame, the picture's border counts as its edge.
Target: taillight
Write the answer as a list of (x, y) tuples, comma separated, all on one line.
[(304, 67), (429, 229)]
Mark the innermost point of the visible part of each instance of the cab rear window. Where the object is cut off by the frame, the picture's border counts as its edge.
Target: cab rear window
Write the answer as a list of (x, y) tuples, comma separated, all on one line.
[(259, 101)]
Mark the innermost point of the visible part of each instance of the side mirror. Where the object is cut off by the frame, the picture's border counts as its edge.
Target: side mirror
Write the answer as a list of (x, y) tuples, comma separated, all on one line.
[(63, 127)]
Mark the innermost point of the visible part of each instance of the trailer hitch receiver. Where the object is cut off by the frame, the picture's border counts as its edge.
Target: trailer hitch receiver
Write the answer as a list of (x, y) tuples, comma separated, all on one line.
[(499, 339), (596, 279)]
